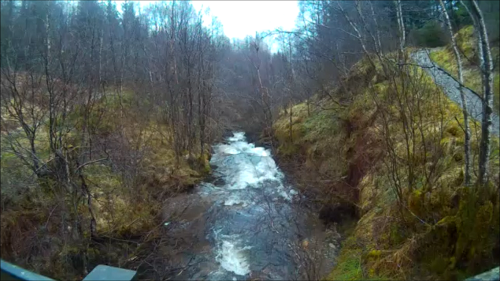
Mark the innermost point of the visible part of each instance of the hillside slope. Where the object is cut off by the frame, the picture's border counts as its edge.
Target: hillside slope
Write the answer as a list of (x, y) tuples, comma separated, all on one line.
[(451, 88), (392, 146), (128, 188), (467, 45)]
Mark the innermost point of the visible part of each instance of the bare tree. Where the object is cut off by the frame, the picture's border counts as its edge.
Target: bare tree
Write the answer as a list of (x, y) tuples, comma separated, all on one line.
[(462, 95), (486, 63), (486, 67)]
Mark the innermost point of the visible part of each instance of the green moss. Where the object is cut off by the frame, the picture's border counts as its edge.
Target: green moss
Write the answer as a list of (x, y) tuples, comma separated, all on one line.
[(374, 253), (103, 176), (444, 58), (282, 126), (465, 222), (467, 43), (123, 208), (116, 101), (288, 149), (483, 225), (454, 130), (348, 266), (468, 236), (439, 264), (437, 236), (205, 163), (319, 127), (396, 236), (313, 133)]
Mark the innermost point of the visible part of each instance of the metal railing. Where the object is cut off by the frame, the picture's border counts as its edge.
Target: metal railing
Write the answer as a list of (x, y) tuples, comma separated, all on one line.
[(107, 273), (492, 275), (101, 272)]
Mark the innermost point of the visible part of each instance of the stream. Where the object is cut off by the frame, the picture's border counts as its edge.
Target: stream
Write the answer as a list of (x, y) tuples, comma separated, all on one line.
[(249, 222)]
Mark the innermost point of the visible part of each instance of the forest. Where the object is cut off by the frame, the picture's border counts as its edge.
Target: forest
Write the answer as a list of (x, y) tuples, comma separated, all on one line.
[(383, 117)]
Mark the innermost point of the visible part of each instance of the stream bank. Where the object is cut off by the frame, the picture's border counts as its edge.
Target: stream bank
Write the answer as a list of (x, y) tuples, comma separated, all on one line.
[(246, 222)]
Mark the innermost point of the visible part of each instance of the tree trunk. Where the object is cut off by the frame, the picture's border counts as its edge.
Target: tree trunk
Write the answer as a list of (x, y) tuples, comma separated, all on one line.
[(486, 63), (290, 122), (462, 96), (401, 25)]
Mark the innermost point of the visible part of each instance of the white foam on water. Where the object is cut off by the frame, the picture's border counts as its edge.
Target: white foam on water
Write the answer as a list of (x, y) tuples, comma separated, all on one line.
[(227, 149), (285, 195), (208, 188), (249, 167), (243, 166), (232, 258), (260, 151), (235, 200), (237, 136)]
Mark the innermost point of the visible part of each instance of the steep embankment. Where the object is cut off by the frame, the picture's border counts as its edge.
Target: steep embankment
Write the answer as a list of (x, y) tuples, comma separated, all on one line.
[(137, 171), (391, 145)]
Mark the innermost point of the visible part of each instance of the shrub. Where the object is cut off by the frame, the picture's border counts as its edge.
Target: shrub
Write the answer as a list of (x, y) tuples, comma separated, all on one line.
[(430, 35)]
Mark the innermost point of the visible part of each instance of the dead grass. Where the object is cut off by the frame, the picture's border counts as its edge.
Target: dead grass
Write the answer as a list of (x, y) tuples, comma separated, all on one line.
[(128, 191), (386, 241), (466, 42)]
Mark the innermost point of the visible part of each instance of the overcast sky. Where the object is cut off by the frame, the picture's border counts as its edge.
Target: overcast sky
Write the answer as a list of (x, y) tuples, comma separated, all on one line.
[(242, 18)]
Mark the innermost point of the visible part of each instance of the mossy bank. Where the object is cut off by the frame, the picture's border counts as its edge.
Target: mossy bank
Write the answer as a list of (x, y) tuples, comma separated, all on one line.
[(401, 167)]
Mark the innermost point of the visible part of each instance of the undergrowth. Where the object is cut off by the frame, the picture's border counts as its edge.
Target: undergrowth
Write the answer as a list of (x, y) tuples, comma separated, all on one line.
[(127, 189), (431, 229), (467, 45)]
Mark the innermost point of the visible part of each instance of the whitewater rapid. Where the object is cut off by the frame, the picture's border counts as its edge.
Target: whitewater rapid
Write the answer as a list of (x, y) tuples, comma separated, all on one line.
[(253, 207), (245, 222)]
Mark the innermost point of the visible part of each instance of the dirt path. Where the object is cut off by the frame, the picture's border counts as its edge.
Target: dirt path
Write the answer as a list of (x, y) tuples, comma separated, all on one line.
[(451, 87)]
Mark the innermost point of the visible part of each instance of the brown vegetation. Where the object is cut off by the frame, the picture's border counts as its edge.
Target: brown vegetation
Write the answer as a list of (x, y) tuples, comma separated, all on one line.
[(106, 116)]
